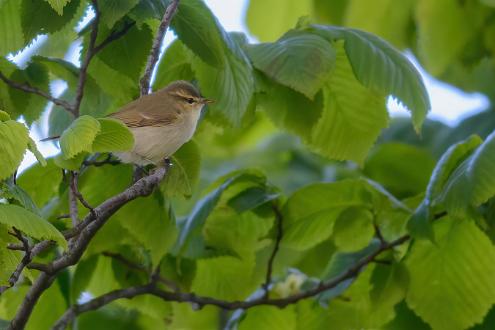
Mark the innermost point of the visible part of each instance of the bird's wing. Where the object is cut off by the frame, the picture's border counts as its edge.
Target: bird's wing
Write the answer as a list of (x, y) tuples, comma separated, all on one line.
[(149, 115)]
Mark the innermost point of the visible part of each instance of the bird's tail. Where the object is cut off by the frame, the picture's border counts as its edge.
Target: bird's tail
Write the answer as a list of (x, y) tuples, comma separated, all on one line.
[(50, 138)]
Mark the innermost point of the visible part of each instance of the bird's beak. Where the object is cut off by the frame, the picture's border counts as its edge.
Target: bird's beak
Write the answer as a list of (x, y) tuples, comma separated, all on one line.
[(206, 101)]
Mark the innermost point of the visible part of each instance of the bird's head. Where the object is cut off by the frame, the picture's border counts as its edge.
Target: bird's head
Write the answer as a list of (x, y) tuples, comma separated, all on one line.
[(186, 95)]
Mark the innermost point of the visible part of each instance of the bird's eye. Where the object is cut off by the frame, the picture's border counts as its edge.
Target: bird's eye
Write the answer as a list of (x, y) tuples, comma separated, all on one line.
[(190, 100)]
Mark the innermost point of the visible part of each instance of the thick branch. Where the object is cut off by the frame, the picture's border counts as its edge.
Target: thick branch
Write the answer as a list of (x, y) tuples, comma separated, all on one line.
[(157, 43), (85, 232), (33, 90), (269, 271)]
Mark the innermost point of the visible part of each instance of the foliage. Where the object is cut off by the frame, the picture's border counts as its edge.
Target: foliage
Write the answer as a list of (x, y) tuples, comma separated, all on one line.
[(297, 184)]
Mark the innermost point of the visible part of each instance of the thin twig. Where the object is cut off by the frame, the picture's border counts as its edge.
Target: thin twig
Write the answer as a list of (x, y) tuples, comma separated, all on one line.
[(83, 71), (113, 36), (278, 238), (157, 43), (25, 87), (77, 193), (26, 259), (98, 163)]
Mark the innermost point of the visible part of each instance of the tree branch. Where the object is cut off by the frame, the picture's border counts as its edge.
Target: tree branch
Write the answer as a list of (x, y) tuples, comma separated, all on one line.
[(14, 277), (278, 238), (73, 209), (83, 71), (157, 43), (75, 190), (84, 232), (25, 87), (201, 301)]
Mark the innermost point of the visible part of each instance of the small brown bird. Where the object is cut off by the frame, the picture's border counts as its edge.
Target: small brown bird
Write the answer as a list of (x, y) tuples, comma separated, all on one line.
[(161, 122)]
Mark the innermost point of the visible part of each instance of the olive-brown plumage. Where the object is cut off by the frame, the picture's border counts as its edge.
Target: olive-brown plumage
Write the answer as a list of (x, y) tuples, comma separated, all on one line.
[(161, 122)]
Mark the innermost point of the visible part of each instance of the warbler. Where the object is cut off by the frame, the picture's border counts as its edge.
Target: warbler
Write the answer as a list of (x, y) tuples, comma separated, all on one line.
[(161, 122)]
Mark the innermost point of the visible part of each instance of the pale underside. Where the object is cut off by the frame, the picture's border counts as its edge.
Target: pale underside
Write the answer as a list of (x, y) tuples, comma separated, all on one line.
[(152, 144)]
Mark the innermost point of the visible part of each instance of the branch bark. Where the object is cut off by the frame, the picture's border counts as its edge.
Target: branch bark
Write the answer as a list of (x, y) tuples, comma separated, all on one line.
[(155, 49), (201, 301), (278, 238), (33, 90)]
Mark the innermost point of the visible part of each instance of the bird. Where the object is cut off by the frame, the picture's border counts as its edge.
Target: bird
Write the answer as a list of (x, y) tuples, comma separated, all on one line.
[(161, 122)]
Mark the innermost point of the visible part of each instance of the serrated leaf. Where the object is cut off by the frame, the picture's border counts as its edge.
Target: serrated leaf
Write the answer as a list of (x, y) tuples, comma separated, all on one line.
[(113, 10), (79, 136), (480, 171), (34, 149), (58, 5), (38, 17), (223, 278), (184, 173), (301, 61), (11, 35), (22, 197), (73, 164), (438, 272), (14, 137), (351, 113), (31, 224), (383, 69), (113, 136), (269, 19)]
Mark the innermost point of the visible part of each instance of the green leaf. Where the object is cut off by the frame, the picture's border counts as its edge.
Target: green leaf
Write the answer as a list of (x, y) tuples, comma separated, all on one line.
[(231, 85), (310, 213), (158, 232), (205, 206), (58, 5), (283, 106), (34, 149), (41, 183), (223, 278), (31, 224), (437, 22), (383, 69), (113, 136), (301, 61), (419, 225), (11, 35), (128, 54), (79, 136), (4, 116), (270, 318), (351, 113), (269, 19), (175, 64), (383, 18), (401, 168), (183, 176), (353, 230), (200, 31), (184, 317), (438, 272), (22, 197), (73, 164), (480, 171), (38, 17), (113, 10), (14, 137)]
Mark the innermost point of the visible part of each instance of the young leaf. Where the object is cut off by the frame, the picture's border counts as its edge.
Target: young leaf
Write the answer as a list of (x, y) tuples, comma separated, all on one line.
[(480, 171), (351, 113), (438, 272), (271, 318), (4, 116), (31, 224), (353, 230), (113, 10), (41, 183), (383, 69), (175, 64), (113, 136), (14, 137), (301, 61), (79, 136)]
